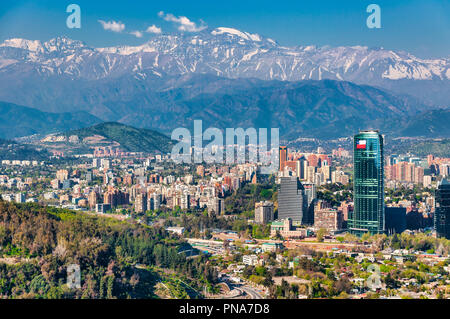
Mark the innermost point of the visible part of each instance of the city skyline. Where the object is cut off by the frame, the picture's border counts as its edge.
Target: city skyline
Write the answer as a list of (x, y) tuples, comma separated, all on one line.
[(241, 151), (298, 217)]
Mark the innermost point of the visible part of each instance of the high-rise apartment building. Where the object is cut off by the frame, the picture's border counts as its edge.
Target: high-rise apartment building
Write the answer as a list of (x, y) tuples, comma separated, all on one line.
[(185, 201), (263, 212), (154, 201), (283, 154), (368, 184), (62, 175), (329, 219), (93, 199), (140, 204), (216, 206)]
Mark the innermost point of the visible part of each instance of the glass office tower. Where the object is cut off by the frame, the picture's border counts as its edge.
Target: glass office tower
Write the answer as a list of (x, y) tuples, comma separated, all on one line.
[(368, 184), (442, 212), (291, 200)]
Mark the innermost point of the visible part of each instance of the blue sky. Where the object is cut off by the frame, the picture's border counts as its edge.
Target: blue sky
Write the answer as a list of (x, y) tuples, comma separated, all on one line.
[(418, 26)]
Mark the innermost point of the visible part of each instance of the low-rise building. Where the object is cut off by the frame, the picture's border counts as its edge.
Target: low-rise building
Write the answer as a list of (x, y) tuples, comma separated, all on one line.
[(272, 246), (286, 230), (176, 230), (251, 260)]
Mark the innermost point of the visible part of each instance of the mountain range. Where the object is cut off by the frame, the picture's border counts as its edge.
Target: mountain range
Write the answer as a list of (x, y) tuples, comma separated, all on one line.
[(173, 79), (17, 121), (323, 109)]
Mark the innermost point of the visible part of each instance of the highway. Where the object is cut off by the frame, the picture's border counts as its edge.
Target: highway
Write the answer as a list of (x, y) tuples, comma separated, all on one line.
[(251, 292)]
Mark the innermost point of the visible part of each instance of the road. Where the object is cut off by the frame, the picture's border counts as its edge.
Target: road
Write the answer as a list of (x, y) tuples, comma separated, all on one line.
[(251, 292)]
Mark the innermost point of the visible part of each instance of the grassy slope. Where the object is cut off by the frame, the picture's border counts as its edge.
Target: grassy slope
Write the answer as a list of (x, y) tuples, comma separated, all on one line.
[(130, 138)]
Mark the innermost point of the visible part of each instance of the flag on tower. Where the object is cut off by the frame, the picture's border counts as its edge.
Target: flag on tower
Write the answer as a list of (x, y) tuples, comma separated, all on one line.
[(361, 145)]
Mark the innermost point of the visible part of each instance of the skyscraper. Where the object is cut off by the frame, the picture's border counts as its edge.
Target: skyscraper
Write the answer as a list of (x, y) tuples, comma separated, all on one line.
[(368, 184), (283, 157), (309, 199), (442, 212), (290, 199)]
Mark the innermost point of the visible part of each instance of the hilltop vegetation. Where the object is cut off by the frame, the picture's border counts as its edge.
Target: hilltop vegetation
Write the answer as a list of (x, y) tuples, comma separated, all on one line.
[(38, 243), (437, 148), (130, 139), (433, 123), (10, 150), (422, 147)]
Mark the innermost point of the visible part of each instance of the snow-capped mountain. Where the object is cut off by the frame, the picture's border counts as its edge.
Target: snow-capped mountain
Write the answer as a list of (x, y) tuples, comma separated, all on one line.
[(224, 52), (172, 79), (68, 75)]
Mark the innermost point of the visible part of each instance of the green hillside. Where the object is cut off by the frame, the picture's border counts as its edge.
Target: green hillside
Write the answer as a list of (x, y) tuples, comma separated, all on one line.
[(130, 138), (433, 123), (419, 147), (37, 244), (437, 148), (10, 150)]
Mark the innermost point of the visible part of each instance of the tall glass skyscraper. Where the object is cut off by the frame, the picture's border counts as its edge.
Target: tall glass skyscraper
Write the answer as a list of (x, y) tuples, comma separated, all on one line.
[(291, 199), (442, 212), (368, 184)]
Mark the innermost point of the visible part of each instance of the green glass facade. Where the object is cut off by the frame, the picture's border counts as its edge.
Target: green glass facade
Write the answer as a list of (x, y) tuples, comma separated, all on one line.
[(368, 184), (442, 212)]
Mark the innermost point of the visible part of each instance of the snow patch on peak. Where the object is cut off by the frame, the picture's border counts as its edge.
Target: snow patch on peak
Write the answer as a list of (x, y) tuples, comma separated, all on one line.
[(234, 32), (127, 50), (310, 48), (62, 44), (30, 45)]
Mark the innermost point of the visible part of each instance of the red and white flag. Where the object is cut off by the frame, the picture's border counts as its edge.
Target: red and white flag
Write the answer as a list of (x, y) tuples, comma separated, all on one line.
[(361, 145)]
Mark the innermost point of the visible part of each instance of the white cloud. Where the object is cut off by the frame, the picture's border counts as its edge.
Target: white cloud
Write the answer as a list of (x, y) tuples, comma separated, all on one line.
[(184, 24), (137, 34), (153, 29), (112, 25)]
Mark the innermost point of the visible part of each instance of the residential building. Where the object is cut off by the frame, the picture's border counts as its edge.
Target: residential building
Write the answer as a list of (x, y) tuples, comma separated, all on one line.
[(263, 212), (329, 219), (140, 203)]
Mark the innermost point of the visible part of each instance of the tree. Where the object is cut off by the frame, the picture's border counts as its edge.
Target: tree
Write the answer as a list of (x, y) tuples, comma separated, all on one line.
[(278, 235), (321, 234), (391, 282), (365, 237), (110, 287), (284, 288), (268, 281), (342, 285)]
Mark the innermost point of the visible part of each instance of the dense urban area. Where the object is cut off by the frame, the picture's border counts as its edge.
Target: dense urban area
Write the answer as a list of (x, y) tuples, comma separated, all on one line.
[(140, 226)]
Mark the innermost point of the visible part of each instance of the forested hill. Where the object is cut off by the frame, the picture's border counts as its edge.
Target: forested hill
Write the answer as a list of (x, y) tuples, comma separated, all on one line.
[(129, 138), (10, 150), (38, 243)]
